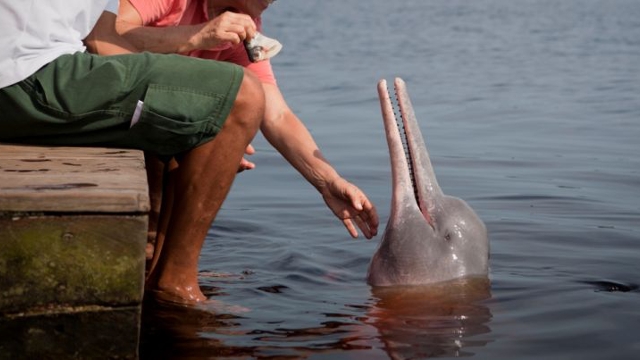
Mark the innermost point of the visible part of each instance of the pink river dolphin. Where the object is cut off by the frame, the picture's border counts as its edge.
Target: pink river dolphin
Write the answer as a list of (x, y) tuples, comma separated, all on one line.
[(430, 237)]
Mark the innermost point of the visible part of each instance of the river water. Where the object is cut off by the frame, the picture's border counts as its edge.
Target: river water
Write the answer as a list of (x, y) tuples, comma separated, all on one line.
[(531, 112)]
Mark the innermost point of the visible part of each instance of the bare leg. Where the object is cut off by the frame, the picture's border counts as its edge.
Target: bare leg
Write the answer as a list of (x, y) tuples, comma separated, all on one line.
[(164, 215), (199, 186), (155, 177)]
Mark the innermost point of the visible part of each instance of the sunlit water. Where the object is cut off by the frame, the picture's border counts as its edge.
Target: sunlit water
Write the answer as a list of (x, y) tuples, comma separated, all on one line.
[(531, 112)]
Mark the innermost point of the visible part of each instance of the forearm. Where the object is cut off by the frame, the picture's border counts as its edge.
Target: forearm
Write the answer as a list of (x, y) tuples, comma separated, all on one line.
[(292, 139), (104, 40), (166, 40)]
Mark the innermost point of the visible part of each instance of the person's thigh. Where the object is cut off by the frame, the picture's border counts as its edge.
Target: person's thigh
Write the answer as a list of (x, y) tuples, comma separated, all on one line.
[(90, 100)]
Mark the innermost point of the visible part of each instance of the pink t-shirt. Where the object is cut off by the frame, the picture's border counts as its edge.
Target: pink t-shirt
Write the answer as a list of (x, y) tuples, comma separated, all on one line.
[(189, 12)]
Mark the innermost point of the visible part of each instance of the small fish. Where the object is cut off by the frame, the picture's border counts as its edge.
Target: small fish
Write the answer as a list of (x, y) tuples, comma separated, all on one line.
[(261, 48)]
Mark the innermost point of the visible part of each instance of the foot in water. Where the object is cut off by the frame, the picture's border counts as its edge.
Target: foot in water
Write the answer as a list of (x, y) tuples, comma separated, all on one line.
[(205, 304)]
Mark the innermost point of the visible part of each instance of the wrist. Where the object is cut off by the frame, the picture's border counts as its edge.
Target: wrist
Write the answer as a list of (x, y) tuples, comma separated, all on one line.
[(194, 38), (326, 184)]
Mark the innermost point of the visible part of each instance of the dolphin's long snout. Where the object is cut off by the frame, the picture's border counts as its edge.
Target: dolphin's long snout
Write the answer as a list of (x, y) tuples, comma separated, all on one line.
[(412, 172)]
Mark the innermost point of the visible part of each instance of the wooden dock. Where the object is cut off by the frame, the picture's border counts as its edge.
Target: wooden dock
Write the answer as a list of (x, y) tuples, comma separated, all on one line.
[(73, 225)]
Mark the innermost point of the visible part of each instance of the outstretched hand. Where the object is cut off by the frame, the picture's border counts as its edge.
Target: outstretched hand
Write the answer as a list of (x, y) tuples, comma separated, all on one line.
[(351, 205)]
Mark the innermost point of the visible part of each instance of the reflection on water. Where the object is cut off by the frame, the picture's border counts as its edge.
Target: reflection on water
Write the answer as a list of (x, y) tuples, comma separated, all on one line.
[(173, 332), (432, 321), (445, 320)]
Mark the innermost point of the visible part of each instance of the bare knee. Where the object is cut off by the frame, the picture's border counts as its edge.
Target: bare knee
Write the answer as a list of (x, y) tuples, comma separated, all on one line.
[(249, 105)]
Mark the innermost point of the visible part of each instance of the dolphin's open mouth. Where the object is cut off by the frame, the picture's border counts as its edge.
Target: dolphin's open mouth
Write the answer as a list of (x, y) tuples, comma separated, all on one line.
[(412, 170), (404, 138)]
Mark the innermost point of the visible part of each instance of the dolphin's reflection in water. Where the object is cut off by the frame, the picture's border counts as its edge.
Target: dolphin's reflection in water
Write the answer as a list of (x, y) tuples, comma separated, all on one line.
[(413, 322), (439, 320)]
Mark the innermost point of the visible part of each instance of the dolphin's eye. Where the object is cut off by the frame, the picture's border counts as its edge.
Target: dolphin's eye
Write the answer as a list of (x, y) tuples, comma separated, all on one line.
[(447, 237)]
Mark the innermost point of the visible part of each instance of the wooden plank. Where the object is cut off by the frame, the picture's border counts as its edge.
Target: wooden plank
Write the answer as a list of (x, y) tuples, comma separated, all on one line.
[(50, 152), (72, 179)]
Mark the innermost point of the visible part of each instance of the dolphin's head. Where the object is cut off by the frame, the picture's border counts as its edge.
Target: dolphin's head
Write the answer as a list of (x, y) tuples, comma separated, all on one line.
[(430, 237)]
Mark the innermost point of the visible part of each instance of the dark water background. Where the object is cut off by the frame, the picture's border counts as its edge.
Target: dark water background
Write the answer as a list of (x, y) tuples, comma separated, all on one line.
[(531, 112)]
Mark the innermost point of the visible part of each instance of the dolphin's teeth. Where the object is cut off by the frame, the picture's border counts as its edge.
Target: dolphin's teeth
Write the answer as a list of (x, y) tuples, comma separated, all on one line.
[(400, 122)]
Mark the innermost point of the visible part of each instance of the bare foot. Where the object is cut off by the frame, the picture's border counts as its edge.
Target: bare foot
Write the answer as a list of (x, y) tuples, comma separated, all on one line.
[(184, 296), (208, 305)]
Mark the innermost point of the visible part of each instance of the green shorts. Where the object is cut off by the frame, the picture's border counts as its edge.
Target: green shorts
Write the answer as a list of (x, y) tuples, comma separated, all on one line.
[(89, 100)]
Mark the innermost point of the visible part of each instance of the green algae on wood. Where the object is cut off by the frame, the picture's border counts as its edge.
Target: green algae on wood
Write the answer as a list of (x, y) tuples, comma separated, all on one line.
[(71, 261)]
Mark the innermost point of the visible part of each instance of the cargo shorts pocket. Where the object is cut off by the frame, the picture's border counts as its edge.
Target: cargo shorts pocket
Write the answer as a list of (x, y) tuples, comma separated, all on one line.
[(174, 120)]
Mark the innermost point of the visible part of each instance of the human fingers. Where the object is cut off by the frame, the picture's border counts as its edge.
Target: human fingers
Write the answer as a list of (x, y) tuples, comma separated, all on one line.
[(227, 27), (250, 150), (366, 213), (350, 227), (370, 215), (241, 25), (364, 226), (234, 34), (245, 165)]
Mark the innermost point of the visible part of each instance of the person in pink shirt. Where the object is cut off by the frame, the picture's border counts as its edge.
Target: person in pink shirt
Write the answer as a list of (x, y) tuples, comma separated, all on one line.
[(182, 13), (216, 30)]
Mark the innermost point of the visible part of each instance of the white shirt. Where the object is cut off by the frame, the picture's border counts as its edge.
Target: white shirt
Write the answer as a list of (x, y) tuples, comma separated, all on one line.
[(35, 32)]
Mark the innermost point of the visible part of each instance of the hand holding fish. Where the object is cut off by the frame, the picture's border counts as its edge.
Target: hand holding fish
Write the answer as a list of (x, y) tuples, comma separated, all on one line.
[(228, 27)]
